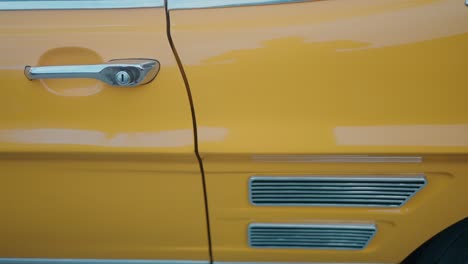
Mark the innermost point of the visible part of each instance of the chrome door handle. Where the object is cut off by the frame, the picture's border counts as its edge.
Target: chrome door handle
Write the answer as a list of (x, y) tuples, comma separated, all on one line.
[(122, 72)]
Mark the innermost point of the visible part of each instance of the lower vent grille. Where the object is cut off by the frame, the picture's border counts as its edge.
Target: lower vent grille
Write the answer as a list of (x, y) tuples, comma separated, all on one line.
[(350, 191), (311, 236)]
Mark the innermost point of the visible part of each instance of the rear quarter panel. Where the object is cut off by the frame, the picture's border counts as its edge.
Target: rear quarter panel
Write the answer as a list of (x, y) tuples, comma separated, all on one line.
[(279, 89)]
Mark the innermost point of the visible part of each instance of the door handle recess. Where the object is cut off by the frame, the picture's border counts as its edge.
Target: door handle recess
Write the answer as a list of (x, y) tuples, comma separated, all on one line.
[(121, 73)]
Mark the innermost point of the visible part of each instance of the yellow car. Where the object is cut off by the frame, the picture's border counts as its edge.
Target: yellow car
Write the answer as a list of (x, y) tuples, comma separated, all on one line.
[(233, 131)]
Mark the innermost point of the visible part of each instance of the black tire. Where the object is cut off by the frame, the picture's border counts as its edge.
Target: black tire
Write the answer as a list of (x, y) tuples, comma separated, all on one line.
[(448, 247)]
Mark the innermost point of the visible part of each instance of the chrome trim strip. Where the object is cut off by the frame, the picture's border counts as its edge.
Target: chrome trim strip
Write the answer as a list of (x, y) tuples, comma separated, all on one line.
[(337, 159), (77, 4), (225, 262), (94, 261), (316, 225), (346, 192), (195, 4), (317, 233)]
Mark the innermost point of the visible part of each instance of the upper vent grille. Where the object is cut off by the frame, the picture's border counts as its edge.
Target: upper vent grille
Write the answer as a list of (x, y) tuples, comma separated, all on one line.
[(362, 191), (311, 236)]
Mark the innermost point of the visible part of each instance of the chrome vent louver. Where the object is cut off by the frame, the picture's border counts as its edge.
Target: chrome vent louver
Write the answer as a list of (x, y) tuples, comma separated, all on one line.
[(311, 236), (350, 191)]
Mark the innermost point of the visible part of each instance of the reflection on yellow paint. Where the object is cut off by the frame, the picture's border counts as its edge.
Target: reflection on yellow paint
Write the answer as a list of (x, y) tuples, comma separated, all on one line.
[(75, 87), (377, 23), (212, 134), (283, 77), (173, 138), (404, 135)]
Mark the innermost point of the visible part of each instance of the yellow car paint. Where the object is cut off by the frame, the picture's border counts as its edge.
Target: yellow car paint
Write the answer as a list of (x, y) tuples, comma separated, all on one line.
[(328, 77), (88, 170), (97, 172), (276, 86), (441, 203)]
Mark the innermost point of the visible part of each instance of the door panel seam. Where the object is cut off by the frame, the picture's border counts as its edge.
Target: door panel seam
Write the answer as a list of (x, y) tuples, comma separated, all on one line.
[(194, 124)]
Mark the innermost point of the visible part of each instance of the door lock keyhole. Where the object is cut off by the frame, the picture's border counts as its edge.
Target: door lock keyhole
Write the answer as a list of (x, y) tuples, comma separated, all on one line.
[(122, 78)]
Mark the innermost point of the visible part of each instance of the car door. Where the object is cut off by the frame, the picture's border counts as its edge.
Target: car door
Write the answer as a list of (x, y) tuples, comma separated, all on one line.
[(95, 171), (330, 131)]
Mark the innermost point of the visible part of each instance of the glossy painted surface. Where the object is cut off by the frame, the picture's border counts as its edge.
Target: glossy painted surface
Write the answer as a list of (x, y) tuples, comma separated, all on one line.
[(281, 84), (90, 170), (101, 207), (442, 202), (356, 76), (86, 115)]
